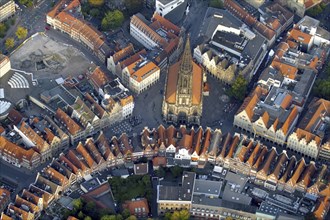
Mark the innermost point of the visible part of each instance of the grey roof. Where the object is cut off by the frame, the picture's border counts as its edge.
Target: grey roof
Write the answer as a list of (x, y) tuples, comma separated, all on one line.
[(215, 141), (207, 187), (236, 179), (91, 184), (120, 172), (141, 168), (168, 192), (164, 2), (214, 17), (3, 2), (176, 15), (269, 209), (233, 195), (304, 84), (182, 193), (203, 200)]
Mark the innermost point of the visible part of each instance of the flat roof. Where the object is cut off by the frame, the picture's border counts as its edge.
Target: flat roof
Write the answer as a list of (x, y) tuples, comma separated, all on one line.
[(237, 179), (203, 200), (232, 194), (207, 187)]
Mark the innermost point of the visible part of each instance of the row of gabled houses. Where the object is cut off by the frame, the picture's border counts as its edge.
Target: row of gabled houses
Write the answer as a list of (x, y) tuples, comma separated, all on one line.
[(183, 147), (67, 17), (273, 108)]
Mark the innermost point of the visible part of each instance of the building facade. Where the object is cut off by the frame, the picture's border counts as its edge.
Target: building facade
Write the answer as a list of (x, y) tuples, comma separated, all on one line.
[(7, 9), (183, 100)]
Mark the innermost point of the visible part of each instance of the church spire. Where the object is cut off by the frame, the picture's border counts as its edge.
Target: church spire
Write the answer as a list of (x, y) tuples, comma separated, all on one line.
[(186, 63)]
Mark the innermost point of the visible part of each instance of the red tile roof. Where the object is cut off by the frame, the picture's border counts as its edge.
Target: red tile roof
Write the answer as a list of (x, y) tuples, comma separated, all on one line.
[(70, 124)]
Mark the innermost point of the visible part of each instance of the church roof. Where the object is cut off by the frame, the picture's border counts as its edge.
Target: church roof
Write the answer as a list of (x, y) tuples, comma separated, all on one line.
[(183, 65)]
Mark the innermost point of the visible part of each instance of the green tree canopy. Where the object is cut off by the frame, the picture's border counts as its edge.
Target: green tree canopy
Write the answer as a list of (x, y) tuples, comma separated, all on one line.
[(132, 217), (28, 3), (176, 171), (322, 89), (112, 19), (109, 217), (77, 204), (180, 215), (96, 3), (316, 10), (10, 43), (133, 6), (21, 32), (3, 30), (216, 4), (94, 12), (238, 89), (87, 218), (126, 213)]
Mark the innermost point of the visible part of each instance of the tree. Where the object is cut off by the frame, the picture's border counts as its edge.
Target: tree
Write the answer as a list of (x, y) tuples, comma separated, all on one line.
[(112, 19), (132, 217), (229, 218), (96, 3), (119, 217), (3, 30), (125, 213), (94, 12), (87, 218), (180, 215), (10, 43), (238, 89), (80, 215), (77, 204), (109, 217), (176, 171), (21, 32), (315, 11), (167, 216), (216, 4), (133, 6), (160, 172), (322, 89)]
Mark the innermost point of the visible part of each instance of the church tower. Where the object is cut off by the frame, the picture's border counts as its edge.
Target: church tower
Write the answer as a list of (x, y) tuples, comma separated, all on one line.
[(183, 101), (184, 87)]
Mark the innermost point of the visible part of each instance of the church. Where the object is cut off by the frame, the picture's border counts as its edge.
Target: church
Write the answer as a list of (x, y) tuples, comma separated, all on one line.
[(183, 98)]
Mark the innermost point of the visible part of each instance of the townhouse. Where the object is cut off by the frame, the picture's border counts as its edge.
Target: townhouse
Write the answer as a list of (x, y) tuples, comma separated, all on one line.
[(299, 7), (75, 131), (157, 33), (66, 16), (4, 198), (238, 11), (226, 39), (308, 136), (268, 114), (276, 17), (17, 155), (141, 75)]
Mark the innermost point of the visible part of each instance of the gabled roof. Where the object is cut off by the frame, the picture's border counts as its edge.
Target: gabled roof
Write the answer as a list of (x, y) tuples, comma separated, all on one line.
[(285, 69), (137, 205), (90, 146), (297, 172), (123, 53), (280, 164), (40, 144), (307, 136), (88, 158), (233, 146), (98, 77), (299, 36), (70, 124), (288, 122)]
